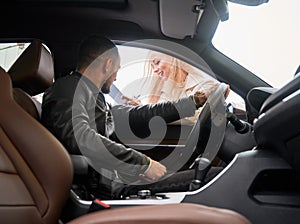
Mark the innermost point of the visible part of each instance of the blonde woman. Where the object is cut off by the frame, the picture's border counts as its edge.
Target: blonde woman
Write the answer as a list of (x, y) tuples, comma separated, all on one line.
[(168, 78)]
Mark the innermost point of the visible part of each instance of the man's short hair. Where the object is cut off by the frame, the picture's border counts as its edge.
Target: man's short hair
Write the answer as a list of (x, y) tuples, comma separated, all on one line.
[(94, 46)]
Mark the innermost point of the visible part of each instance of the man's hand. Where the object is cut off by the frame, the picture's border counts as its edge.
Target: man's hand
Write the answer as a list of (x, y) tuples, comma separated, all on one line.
[(199, 98), (155, 171), (227, 91)]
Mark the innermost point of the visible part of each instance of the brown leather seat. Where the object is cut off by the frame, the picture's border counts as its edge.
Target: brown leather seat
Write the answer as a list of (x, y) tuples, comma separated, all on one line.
[(29, 104), (36, 175), (32, 73), (36, 171)]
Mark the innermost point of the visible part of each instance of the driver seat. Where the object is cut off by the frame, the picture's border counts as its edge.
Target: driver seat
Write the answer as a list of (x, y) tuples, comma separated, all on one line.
[(36, 176)]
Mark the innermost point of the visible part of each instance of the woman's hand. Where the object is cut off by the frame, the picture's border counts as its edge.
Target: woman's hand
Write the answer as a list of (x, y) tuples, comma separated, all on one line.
[(131, 101)]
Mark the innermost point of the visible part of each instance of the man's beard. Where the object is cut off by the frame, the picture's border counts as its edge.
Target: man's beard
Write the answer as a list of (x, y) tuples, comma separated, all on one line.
[(105, 88)]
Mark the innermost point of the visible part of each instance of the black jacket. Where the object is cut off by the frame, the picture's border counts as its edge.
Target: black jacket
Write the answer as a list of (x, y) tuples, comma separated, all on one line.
[(76, 113)]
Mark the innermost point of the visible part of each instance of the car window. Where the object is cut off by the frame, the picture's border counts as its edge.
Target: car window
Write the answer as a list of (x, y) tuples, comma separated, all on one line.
[(263, 39), (151, 77), (9, 52), (148, 76)]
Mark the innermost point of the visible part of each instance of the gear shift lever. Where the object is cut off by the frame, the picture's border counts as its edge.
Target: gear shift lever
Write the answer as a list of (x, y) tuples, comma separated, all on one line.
[(202, 165), (240, 127)]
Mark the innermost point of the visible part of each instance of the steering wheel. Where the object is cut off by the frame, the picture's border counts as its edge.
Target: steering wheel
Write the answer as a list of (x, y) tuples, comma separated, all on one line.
[(206, 136), (214, 115)]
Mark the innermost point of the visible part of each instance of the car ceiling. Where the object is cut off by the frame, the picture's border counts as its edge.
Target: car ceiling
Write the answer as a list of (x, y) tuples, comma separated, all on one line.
[(62, 26), (60, 21)]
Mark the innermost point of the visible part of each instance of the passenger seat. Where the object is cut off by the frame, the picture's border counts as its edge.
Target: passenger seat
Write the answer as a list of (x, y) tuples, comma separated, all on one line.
[(32, 73)]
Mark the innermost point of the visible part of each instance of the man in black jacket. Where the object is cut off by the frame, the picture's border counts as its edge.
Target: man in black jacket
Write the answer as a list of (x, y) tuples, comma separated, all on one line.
[(75, 111)]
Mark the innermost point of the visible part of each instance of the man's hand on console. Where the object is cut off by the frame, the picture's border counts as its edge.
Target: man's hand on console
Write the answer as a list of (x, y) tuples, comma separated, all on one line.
[(154, 172)]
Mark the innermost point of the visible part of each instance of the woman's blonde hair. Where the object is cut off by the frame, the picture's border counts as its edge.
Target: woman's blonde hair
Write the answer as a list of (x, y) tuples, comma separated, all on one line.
[(153, 84)]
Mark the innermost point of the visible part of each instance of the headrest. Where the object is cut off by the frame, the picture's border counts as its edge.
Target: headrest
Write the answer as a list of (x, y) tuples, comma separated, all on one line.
[(33, 71)]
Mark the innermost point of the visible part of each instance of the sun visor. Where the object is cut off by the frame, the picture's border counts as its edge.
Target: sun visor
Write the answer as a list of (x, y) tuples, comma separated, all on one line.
[(178, 20)]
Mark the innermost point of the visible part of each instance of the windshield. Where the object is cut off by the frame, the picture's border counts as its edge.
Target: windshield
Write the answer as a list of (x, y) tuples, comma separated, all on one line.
[(264, 39)]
